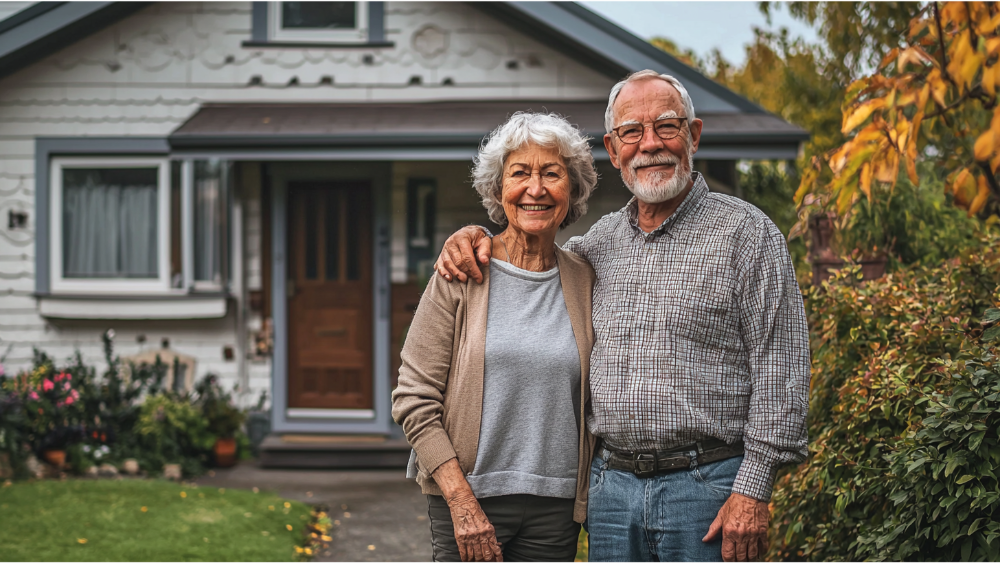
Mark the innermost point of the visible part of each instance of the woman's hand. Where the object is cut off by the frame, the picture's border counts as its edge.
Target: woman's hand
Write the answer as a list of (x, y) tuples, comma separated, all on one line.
[(475, 535), (476, 538)]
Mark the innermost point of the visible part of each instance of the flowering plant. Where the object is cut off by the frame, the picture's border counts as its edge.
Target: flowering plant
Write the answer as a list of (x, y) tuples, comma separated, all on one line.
[(53, 408)]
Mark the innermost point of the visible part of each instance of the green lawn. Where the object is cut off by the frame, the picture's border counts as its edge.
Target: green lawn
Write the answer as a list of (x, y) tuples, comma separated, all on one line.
[(83, 520)]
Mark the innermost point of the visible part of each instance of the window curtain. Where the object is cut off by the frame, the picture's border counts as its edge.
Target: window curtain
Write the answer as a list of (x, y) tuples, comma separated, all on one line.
[(209, 220), (110, 223)]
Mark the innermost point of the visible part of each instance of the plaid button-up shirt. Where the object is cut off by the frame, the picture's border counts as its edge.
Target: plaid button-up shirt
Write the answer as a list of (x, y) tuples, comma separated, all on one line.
[(701, 332)]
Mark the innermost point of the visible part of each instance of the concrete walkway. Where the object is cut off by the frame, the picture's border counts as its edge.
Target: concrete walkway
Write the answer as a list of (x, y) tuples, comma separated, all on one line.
[(382, 515)]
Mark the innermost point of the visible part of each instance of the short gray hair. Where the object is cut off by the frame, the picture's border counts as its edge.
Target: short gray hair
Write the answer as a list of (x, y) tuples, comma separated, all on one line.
[(546, 130), (609, 114)]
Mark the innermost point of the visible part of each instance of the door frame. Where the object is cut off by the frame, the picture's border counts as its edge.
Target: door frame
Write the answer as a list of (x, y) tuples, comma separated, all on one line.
[(379, 174)]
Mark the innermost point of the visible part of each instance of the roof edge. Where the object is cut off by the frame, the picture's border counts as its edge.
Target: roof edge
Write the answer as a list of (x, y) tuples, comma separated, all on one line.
[(648, 49)]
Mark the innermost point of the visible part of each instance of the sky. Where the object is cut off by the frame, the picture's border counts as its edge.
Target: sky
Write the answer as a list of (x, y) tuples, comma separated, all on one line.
[(701, 26)]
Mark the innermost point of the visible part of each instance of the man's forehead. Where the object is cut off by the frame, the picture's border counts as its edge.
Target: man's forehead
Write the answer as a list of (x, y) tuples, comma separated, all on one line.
[(648, 96)]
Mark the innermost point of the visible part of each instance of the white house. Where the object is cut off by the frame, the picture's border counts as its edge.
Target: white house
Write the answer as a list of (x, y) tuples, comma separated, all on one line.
[(260, 186)]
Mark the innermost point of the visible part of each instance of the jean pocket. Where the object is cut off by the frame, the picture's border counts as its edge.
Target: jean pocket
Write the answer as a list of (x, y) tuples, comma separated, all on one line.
[(597, 468), (720, 475)]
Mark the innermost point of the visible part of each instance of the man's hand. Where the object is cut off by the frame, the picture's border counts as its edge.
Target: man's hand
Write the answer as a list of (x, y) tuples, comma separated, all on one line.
[(461, 251), (742, 521), (474, 534)]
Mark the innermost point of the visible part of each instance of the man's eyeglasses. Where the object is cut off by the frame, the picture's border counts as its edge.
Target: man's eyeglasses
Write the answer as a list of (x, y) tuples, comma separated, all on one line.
[(665, 129)]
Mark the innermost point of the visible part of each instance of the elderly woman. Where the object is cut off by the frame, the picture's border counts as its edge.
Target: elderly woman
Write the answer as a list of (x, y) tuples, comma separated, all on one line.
[(494, 378)]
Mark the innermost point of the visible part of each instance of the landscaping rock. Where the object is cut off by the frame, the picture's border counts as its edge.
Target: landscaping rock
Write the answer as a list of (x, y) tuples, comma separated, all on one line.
[(92, 471), (107, 470), (172, 471), (131, 466), (35, 468)]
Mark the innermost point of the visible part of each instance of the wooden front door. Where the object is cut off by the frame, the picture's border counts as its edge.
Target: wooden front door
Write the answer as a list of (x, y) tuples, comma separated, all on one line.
[(330, 296)]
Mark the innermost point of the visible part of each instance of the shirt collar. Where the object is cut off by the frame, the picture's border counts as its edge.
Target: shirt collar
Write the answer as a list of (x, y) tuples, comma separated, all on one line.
[(698, 191)]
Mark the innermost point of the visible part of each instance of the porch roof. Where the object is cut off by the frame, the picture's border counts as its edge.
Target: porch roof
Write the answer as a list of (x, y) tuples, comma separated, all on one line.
[(448, 124)]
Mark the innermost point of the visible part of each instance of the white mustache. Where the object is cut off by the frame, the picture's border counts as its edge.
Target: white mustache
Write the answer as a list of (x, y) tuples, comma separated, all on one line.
[(642, 160)]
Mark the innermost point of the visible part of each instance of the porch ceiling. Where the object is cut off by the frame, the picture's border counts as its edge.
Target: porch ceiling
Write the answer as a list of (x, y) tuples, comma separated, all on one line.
[(218, 126)]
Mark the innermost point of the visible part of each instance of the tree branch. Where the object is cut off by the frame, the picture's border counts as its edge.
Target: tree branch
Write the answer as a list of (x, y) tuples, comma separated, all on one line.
[(944, 53), (990, 178)]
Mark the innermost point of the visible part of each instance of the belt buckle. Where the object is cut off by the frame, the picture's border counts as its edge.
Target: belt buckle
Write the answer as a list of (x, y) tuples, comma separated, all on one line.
[(644, 464)]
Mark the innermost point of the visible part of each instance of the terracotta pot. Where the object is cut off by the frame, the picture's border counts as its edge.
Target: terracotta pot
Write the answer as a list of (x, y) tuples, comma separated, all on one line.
[(56, 458), (225, 452)]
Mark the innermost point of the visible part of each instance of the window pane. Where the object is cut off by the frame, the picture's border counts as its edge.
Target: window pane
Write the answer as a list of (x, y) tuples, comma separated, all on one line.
[(312, 234), (110, 223), (332, 226), (318, 15), (209, 220)]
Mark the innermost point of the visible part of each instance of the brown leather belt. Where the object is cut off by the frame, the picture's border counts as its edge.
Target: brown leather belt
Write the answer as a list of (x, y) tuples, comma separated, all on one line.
[(653, 462)]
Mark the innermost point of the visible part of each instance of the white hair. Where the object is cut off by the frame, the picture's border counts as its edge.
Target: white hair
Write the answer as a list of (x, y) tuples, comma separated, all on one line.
[(545, 130), (609, 114)]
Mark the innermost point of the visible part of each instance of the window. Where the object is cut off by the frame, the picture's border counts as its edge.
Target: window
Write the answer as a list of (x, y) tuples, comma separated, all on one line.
[(341, 22), (139, 225), (110, 225), (211, 219), (421, 207)]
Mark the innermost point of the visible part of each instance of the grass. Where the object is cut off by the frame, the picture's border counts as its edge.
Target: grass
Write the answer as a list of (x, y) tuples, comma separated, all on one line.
[(145, 520)]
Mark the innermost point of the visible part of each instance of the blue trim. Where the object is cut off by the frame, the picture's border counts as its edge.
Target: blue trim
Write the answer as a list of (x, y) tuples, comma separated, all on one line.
[(376, 22), (34, 33), (45, 149), (29, 13)]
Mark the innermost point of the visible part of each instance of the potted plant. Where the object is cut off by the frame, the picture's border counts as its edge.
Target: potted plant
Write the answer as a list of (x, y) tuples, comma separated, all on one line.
[(223, 417), (53, 411)]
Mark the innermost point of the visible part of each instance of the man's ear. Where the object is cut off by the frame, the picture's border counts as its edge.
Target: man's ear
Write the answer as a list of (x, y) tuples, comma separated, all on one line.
[(610, 146), (696, 125)]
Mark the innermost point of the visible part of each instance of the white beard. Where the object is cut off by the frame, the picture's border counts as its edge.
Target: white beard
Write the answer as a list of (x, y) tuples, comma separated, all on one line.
[(657, 187)]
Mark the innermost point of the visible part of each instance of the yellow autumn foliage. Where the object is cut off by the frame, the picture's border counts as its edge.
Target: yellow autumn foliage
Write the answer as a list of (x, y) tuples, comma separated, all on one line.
[(938, 87)]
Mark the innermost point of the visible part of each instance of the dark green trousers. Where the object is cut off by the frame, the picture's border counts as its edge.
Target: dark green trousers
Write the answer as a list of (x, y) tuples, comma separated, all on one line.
[(528, 527)]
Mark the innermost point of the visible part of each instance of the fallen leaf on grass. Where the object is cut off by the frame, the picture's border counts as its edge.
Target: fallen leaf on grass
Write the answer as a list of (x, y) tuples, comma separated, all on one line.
[(288, 505), (248, 514), (144, 509), (265, 533), (289, 526), (298, 549), (326, 538), (270, 507), (81, 541), (183, 494)]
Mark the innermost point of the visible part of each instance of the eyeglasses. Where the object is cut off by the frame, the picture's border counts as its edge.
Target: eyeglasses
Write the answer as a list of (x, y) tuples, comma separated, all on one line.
[(665, 129)]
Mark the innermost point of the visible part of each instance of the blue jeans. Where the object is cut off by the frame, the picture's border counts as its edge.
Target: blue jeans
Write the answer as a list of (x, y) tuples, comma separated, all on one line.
[(660, 518)]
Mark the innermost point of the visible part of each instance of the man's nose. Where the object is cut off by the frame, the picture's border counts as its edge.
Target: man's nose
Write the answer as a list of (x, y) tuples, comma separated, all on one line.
[(650, 141)]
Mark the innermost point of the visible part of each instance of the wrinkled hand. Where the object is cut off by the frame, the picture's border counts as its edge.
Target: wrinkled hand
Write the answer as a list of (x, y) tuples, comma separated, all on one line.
[(476, 538), (458, 259), (742, 521)]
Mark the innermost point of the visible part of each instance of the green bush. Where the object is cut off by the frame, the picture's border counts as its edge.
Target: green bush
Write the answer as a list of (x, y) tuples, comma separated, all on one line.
[(942, 486), (880, 351), (171, 429)]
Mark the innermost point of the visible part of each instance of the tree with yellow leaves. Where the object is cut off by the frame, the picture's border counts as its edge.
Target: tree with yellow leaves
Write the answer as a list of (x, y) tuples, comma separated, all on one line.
[(932, 97)]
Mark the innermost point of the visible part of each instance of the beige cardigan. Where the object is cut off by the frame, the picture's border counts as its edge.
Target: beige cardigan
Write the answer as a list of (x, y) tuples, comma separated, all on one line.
[(439, 400)]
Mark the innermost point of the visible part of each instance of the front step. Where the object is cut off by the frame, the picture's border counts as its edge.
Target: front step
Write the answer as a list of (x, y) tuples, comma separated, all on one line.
[(325, 451)]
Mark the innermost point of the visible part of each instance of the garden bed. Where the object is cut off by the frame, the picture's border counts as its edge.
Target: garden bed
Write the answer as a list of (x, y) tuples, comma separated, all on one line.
[(147, 520)]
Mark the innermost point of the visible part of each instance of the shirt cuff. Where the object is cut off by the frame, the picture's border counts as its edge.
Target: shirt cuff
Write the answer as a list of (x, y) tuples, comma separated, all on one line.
[(755, 478), (433, 448)]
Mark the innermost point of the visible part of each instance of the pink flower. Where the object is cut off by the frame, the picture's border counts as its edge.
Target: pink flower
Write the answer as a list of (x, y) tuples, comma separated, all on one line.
[(75, 395), (33, 396), (66, 386), (1, 370), (59, 376), (47, 385), (69, 377), (69, 400)]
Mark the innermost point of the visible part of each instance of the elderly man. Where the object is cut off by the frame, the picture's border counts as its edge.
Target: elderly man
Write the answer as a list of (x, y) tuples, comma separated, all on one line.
[(700, 370)]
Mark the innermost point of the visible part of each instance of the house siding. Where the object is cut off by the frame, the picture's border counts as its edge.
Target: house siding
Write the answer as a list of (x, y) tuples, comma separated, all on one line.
[(148, 73)]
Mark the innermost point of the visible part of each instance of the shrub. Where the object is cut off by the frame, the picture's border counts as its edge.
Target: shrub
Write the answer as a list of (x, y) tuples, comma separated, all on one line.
[(942, 486), (880, 350), (172, 430)]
